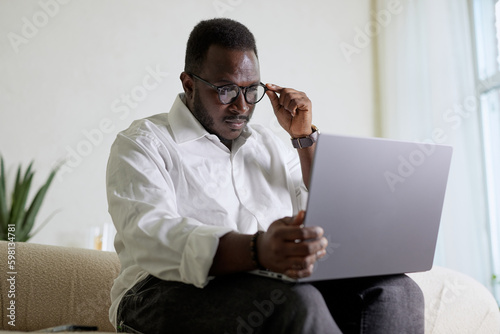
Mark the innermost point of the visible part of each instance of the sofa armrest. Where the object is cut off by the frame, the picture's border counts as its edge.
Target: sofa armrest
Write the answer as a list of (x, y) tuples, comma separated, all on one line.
[(456, 303), (57, 285)]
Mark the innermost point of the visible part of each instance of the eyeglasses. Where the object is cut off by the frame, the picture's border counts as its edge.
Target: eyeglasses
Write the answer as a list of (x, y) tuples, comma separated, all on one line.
[(229, 93)]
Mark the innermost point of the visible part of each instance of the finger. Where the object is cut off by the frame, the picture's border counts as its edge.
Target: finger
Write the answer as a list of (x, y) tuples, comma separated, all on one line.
[(288, 99), (297, 263), (274, 88), (288, 95), (298, 234), (285, 221), (295, 273), (320, 254), (303, 262), (298, 220), (285, 99), (274, 99), (295, 102), (305, 248)]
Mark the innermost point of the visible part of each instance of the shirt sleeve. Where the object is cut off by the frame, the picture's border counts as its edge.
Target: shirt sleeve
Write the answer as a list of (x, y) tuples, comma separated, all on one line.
[(142, 204), (295, 168), (291, 158)]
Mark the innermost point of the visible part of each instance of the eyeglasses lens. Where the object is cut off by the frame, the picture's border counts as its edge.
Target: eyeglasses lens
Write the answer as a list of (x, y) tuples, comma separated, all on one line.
[(253, 94), (227, 94)]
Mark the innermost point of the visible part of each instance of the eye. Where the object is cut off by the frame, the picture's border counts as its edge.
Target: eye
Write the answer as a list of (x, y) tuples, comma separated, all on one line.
[(227, 93), (254, 93), (253, 89)]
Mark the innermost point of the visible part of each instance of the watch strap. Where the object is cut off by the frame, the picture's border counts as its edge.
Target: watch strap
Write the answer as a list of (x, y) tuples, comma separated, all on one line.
[(307, 141)]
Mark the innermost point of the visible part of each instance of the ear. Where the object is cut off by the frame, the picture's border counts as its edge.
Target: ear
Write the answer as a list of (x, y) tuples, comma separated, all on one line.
[(188, 85)]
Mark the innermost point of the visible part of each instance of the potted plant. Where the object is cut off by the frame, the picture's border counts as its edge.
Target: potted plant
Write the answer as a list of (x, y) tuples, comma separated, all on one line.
[(16, 218)]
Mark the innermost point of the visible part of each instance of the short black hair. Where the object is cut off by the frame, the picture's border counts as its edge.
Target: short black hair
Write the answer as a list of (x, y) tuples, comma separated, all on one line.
[(224, 32)]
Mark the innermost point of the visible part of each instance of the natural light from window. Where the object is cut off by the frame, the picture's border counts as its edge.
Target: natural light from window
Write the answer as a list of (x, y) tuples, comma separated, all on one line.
[(497, 25), (487, 41)]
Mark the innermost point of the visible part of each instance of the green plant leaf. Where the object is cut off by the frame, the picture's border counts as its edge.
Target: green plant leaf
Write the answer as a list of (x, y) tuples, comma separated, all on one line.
[(35, 207), (4, 213), (28, 171), (16, 211), (20, 196), (23, 199), (2, 173)]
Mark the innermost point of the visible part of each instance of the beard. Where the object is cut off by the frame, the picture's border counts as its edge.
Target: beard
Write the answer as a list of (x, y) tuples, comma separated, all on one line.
[(207, 121), (201, 114)]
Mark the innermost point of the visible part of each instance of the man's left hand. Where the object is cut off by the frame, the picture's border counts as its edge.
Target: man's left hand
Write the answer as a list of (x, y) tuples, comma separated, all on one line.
[(292, 108)]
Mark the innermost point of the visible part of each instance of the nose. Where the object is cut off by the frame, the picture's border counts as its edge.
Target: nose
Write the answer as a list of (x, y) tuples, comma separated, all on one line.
[(240, 105)]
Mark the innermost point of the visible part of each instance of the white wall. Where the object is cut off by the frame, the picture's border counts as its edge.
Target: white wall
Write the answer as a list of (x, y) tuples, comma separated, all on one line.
[(66, 65)]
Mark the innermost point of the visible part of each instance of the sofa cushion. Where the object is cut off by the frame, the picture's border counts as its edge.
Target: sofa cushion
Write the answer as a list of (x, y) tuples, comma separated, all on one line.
[(456, 303), (57, 285)]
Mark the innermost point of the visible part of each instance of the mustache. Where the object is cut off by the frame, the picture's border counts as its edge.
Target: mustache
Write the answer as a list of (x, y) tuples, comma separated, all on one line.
[(237, 118)]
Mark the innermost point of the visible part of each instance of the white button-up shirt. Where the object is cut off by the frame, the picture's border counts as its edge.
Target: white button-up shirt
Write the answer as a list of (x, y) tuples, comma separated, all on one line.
[(174, 189)]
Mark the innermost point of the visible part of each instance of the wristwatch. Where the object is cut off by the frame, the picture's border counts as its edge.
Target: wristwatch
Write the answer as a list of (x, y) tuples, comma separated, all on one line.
[(307, 141)]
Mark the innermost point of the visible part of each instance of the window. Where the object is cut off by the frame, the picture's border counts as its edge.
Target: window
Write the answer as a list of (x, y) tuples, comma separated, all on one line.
[(486, 21)]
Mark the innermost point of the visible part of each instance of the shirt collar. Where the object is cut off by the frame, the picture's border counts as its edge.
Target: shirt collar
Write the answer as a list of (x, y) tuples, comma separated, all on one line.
[(185, 127)]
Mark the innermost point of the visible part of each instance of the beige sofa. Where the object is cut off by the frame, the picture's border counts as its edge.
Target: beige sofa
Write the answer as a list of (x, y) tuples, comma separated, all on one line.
[(59, 285)]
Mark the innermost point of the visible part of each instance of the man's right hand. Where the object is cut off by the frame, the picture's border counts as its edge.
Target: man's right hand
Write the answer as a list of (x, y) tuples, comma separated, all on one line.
[(290, 248)]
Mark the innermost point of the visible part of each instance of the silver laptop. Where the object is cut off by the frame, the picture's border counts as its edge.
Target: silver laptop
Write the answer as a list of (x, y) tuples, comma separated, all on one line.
[(379, 202)]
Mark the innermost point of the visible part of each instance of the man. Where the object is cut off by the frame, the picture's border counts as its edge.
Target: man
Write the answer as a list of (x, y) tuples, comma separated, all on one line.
[(199, 197)]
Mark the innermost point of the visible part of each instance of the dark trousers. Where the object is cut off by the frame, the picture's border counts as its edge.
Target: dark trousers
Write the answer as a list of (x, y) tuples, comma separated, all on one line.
[(244, 304)]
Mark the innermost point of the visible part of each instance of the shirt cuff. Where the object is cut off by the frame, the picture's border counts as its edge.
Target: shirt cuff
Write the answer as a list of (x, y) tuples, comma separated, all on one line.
[(199, 254)]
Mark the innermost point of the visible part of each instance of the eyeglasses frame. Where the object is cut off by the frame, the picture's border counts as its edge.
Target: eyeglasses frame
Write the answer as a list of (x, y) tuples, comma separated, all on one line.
[(241, 89)]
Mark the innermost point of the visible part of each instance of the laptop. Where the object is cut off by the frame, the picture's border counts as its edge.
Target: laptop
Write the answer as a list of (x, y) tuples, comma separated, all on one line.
[(379, 202)]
